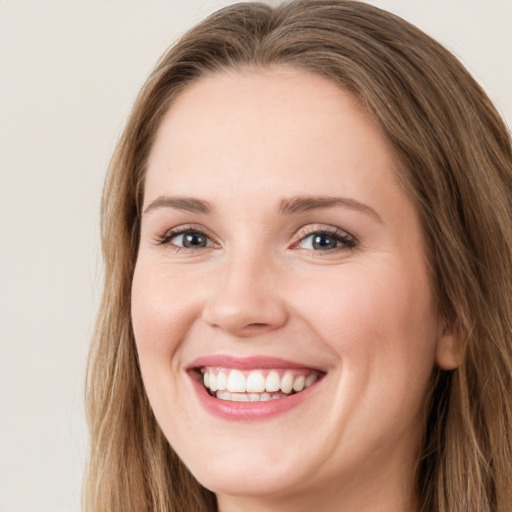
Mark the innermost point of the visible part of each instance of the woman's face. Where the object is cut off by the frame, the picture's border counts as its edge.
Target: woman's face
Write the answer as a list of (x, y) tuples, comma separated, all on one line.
[(279, 252)]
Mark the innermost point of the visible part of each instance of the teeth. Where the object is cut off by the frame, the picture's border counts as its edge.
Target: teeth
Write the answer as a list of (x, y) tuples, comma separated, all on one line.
[(298, 384), (239, 397), (213, 382), (287, 383), (222, 380), (255, 382), (273, 382), (236, 382), (311, 379), (238, 386), (249, 397)]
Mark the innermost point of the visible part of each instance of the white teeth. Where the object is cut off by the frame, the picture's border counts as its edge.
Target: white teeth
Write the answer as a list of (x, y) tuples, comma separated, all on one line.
[(249, 397), (273, 382), (255, 382), (311, 379), (234, 385), (239, 397), (222, 380), (236, 382), (298, 383), (213, 382), (287, 383)]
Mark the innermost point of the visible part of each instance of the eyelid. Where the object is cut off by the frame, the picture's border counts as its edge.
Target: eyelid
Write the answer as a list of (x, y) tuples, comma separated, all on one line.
[(344, 236), (347, 240), (165, 237)]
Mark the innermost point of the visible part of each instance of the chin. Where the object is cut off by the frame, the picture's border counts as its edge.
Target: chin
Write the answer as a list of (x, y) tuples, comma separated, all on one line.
[(257, 468), (251, 480)]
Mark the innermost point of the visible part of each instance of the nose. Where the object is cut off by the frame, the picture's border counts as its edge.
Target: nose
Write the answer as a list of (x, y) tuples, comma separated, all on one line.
[(246, 300)]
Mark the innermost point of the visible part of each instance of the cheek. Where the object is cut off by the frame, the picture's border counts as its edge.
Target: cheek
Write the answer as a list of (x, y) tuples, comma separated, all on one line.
[(377, 315), (161, 314), (381, 327)]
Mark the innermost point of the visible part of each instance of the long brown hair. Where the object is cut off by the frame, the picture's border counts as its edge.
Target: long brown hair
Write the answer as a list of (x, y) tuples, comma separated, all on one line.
[(456, 165)]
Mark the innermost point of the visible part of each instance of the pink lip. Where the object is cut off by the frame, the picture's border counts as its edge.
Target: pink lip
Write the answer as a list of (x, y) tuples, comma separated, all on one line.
[(246, 411), (246, 363), (249, 411)]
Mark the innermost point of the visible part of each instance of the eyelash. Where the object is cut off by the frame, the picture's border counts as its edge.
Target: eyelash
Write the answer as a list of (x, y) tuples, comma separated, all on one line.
[(345, 240), (165, 238)]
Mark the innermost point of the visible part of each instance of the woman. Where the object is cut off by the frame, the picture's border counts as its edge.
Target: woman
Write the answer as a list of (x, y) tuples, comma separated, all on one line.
[(307, 239)]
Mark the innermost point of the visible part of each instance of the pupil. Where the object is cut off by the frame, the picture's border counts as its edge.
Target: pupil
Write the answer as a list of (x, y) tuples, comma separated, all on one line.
[(194, 240), (323, 242)]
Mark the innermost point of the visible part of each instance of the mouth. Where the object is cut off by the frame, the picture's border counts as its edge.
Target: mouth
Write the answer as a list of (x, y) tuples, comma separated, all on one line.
[(252, 388), (256, 385)]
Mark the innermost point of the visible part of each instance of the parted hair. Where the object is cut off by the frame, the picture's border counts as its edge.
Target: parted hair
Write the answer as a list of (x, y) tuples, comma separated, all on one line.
[(455, 163)]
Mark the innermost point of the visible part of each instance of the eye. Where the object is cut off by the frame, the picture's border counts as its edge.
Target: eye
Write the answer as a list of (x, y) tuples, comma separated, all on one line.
[(190, 240), (326, 240), (186, 238)]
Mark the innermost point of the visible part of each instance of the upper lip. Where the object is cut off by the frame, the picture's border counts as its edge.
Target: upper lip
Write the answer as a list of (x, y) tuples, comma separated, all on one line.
[(246, 363)]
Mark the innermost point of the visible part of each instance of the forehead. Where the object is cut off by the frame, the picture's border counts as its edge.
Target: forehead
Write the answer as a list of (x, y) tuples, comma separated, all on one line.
[(261, 131), (280, 104)]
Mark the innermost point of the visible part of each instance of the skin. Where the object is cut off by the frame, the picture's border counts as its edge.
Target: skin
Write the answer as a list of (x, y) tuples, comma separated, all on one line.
[(244, 142)]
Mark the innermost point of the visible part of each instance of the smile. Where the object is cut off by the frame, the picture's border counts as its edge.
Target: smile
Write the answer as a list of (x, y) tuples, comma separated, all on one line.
[(258, 385), (252, 388)]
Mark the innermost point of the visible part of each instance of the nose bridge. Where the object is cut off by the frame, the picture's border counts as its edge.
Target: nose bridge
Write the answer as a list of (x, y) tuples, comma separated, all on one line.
[(246, 297)]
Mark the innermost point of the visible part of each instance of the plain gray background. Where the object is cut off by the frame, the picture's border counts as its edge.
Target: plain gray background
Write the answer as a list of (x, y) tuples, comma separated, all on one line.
[(69, 72)]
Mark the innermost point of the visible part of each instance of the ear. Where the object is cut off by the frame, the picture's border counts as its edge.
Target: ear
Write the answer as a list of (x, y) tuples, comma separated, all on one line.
[(448, 352)]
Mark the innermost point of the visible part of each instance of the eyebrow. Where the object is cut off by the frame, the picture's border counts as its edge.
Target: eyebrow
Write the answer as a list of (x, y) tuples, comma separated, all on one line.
[(298, 204), (188, 204), (301, 204)]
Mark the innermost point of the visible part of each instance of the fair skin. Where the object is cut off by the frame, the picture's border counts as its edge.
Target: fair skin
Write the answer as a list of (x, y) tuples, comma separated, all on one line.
[(233, 266)]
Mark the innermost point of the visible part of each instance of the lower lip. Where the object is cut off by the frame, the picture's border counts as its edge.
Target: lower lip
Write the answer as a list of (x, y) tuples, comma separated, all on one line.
[(249, 411)]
